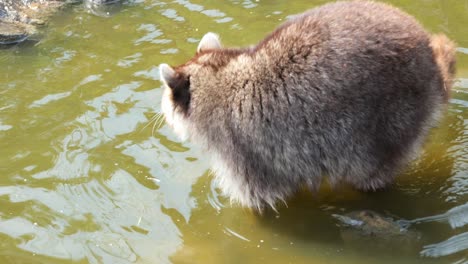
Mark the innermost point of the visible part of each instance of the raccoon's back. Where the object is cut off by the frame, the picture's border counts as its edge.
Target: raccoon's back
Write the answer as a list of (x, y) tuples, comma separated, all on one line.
[(348, 52), (343, 35), (360, 78), (362, 39)]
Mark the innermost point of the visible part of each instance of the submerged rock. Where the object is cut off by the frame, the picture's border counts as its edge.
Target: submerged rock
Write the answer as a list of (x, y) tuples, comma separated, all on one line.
[(11, 33), (368, 229), (19, 18)]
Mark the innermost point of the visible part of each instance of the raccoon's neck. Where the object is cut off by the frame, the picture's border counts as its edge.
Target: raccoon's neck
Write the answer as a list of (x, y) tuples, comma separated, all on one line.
[(251, 67), (253, 83)]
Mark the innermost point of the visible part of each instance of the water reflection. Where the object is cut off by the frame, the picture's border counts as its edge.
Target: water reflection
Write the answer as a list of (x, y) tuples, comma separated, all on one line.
[(456, 217), (114, 221), (103, 8), (455, 244)]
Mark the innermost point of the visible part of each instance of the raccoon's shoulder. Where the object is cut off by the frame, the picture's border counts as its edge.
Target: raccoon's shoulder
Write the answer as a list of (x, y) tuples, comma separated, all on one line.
[(364, 18), (343, 20)]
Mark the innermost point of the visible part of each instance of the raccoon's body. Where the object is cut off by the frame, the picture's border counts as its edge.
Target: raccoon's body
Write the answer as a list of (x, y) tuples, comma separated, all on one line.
[(346, 91)]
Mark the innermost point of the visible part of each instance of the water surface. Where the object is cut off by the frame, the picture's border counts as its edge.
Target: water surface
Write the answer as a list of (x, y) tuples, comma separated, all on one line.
[(85, 177)]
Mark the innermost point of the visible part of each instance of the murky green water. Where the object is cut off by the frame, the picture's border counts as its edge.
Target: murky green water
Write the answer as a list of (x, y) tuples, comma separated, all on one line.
[(85, 179)]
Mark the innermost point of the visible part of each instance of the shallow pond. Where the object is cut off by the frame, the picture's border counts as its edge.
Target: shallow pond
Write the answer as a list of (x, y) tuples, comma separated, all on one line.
[(85, 177)]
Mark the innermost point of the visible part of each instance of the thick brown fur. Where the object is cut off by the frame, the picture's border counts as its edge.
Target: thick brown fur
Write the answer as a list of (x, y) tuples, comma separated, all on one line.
[(346, 91), (444, 53)]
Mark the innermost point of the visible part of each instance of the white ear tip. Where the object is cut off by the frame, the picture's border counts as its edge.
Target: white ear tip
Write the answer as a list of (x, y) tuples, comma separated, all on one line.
[(165, 72), (164, 66), (211, 35), (209, 41)]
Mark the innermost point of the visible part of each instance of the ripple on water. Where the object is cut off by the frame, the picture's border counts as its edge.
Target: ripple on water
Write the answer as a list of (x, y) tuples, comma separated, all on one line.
[(172, 14), (152, 73), (116, 223), (108, 216), (49, 98), (458, 188), (129, 60), (152, 36), (455, 244), (4, 127)]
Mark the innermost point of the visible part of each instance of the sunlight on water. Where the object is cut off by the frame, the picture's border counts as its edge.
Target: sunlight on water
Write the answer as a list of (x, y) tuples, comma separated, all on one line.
[(89, 172)]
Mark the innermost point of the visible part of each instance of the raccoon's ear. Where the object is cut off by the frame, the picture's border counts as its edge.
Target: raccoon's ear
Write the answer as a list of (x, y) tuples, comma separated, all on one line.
[(209, 42), (166, 73), (172, 79), (179, 83)]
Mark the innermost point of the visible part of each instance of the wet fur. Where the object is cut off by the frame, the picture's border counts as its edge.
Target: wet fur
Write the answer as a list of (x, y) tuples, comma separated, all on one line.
[(346, 91)]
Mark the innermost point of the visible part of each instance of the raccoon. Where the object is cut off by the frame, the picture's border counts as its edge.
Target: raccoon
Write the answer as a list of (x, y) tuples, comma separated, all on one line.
[(345, 92)]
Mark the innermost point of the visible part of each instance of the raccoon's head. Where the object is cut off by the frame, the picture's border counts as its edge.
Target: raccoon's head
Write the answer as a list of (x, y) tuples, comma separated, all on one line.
[(180, 83)]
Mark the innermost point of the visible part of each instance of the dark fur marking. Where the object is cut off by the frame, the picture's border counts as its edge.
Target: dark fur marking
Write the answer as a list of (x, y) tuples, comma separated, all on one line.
[(283, 82), (180, 86), (260, 99)]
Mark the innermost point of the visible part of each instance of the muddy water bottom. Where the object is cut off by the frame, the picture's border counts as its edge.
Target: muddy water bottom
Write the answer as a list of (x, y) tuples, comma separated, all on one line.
[(89, 172)]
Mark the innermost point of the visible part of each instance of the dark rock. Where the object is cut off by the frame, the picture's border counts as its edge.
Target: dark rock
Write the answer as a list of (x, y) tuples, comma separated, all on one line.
[(370, 230), (19, 18), (11, 33)]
